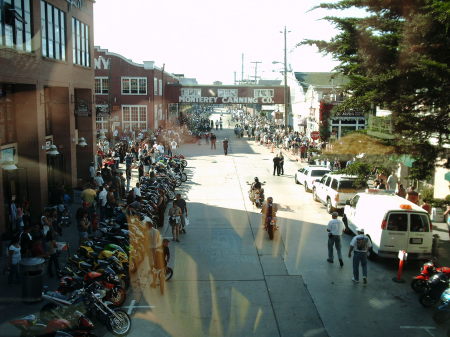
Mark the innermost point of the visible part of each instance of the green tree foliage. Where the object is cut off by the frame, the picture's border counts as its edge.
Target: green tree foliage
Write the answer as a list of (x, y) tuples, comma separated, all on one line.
[(397, 57)]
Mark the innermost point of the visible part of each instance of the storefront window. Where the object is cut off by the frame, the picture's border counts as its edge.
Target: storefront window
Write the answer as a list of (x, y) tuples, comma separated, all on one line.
[(7, 115)]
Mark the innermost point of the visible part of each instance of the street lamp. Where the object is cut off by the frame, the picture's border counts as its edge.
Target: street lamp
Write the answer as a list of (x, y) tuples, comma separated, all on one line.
[(286, 103)]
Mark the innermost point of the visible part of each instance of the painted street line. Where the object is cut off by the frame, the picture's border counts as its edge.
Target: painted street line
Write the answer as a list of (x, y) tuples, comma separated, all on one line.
[(133, 306), (426, 328)]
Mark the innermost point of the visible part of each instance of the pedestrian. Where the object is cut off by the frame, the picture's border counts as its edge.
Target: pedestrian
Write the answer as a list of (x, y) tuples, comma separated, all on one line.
[(128, 175), (50, 248), (175, 220), (83, 227), (91, 170), (412, 195), (281, 163), (213, 141), (153, 240), (335, 228), (173, 147), (276, 165), (102, 198), (225, 146), (99, 180), (401, 192), (14, 257), (360, 245), (182, 204)]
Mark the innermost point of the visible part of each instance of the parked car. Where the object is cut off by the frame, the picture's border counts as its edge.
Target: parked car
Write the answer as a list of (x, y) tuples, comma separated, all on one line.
[(334, 190), (392, 224), (307, 175)]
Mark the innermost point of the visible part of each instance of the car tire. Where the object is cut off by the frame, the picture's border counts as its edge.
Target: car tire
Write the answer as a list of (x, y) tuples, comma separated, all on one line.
[(296, 181), (330, 208), (315, 195), (306, 187), (371, 255), (345, 221)]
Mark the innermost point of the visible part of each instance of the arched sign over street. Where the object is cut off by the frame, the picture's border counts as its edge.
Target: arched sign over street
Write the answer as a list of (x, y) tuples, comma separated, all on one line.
[(233, 94)]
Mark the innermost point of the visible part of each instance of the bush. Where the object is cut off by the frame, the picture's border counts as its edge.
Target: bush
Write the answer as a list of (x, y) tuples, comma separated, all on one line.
[(427, 194), (438, 203), (447, 199)]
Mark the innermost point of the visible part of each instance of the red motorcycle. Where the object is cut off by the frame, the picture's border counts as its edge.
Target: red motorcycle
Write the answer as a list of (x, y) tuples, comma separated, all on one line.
[(419, 282), (30, 326), (271, 226)]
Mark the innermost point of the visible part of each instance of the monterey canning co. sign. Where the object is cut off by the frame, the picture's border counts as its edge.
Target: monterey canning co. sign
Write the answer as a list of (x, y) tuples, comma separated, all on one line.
[(228, 95), (75, 3)]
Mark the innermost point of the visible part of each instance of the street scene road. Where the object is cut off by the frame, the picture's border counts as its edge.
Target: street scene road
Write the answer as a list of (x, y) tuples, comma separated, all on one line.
[(230, 280)]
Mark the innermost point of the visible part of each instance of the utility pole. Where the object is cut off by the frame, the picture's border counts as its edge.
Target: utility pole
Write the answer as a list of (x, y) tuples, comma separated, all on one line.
[(286, 104), (256, 70), (242, 69)]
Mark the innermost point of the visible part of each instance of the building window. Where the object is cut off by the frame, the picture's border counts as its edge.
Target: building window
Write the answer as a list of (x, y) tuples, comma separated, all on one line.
[(80, 42), (53, 31), (15, 24), (134, 117), (101, 123), (7, 117), (101, 85), (160, 88), (134, 85), (155, 86)]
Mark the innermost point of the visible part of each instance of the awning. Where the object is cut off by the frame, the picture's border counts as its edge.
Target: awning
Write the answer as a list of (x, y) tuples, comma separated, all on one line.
[(447, 176)]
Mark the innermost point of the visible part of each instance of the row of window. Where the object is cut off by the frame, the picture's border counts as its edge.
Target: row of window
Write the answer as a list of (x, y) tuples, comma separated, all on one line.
[(129, 86), (133, 117), (15, 31)]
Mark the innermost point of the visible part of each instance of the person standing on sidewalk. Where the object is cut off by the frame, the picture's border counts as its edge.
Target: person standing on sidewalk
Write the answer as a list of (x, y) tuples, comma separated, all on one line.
[(213, 141), (335, 228), (182, 204), (281, 163), (360, 244), (225, 146), (175, 221)]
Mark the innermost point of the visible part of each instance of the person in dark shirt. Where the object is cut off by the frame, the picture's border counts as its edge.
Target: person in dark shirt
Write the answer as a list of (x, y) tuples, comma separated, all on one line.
[(180, 202)]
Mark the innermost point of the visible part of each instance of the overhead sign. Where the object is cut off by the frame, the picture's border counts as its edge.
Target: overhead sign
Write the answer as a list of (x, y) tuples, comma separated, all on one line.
[(227, 95)]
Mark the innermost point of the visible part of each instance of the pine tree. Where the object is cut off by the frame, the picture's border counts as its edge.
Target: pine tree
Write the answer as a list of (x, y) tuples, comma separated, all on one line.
[(397, 57)]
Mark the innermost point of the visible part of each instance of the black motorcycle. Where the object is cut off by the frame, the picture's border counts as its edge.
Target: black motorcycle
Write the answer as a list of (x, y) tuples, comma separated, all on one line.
[(434, 288)]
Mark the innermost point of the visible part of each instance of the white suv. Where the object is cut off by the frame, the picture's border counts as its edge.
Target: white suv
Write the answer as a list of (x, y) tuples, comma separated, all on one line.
[(334, 190), (309, 174)]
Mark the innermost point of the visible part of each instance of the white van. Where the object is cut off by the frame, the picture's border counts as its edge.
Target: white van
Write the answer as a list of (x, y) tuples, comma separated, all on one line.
[(392, 223)]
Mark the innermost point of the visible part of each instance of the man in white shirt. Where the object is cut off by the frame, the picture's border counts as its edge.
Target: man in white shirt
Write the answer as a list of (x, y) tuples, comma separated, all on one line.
[(160, 148), (173, 146), (102, 197), (360, 244), (335, 228), (137, 191), (99, 180)]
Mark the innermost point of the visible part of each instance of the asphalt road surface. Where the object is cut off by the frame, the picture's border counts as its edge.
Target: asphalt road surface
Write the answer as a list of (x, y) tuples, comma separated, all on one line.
[(230, 280)]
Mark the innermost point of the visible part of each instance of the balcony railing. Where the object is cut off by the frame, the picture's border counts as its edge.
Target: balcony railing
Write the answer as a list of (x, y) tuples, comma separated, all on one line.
[(380, 127)]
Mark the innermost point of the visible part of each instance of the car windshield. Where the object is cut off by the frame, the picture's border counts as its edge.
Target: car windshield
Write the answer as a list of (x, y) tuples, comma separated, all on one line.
[(318, 173)]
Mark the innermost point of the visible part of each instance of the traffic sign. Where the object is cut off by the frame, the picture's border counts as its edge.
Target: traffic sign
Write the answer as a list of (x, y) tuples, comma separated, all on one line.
[(315, 135)]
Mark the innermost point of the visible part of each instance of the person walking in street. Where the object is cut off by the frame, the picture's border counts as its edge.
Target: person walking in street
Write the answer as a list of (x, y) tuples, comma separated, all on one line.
[(225, 146), (360, 245), (175, 220), (281, 164), (14, 257), (182, 204), (153, 240), (335, 228), (276, 165), (213, 141)]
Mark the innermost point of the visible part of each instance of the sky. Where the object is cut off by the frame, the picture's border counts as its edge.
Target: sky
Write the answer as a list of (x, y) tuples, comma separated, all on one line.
[(205, 39)]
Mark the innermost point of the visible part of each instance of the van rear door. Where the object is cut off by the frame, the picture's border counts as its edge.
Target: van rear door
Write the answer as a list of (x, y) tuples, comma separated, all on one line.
[(395, 236), (420, 238)]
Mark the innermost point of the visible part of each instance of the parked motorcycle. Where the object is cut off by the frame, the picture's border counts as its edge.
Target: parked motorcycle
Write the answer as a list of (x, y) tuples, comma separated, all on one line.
[(428, 269), (31, 326), (442, 312), (92, 299), (434, 288)]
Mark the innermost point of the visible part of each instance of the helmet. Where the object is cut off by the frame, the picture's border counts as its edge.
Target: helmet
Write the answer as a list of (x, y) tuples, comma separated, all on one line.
[(256, 179)]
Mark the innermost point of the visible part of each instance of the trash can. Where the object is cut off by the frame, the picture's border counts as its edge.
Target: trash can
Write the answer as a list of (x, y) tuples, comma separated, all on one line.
[(32, 278)]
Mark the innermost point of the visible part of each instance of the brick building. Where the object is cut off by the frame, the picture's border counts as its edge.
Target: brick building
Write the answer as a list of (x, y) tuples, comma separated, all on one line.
[(46, 90), (128, 95)]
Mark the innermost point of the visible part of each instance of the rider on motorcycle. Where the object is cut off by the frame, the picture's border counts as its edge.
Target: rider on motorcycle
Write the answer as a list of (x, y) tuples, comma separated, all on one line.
[(256, 186), (269, 210)]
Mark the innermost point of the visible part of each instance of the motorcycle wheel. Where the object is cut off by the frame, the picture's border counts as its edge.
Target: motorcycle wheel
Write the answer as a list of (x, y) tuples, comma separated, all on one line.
[(184, 162), (427, 301), (46, 313), (183, 177), (119, 324), (117, 296), (178, 182), (270, 231), (418, 285), (440, 316), (169, 273)]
